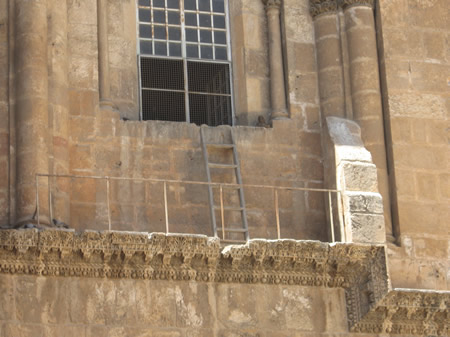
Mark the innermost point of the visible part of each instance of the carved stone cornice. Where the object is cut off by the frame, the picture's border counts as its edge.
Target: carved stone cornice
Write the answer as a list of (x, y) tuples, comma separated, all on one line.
[(182, 257), (347, 3), (317, 7), (409, 312), (359, 269), (276, 4)]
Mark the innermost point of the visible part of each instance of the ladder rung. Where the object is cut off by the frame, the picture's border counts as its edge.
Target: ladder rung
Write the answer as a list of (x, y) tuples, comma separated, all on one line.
[(233, 241), (237, 230), (230, 208), (223, 166), (221, 146)]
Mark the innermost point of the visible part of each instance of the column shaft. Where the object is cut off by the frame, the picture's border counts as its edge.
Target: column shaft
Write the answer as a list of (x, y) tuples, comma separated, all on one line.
[(30, 18), (103, 54), (330, 67), (366, 94), (277, 85)]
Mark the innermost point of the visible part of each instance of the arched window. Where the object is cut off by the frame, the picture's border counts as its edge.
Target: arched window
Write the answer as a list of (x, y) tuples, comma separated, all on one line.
[(185, 61)]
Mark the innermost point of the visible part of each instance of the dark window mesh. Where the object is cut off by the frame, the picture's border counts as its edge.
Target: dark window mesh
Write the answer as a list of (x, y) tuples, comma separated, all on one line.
[(209, 77), (210, 109), (210, 104), (163, 106), (162, 74)]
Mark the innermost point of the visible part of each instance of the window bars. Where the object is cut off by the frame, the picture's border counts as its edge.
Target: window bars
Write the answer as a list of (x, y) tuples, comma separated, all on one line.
[(185, 61)]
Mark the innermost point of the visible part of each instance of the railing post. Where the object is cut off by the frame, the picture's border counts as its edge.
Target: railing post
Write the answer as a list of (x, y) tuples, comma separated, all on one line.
[(50, 198), (221, 212), (277, 214), (331, 217), (343, 225), (107, 203), (166, 209), (37, 199)]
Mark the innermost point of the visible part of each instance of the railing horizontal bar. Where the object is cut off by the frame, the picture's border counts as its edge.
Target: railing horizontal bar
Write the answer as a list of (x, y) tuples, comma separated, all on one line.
[(189, 182)]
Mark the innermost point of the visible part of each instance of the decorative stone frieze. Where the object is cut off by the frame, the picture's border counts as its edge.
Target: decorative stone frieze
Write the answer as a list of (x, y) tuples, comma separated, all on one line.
[(359, 269), (347, 3), (182, 257), (317, 7)]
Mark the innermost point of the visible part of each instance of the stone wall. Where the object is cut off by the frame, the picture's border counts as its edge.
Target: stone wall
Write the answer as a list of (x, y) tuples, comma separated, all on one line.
[(288, 155), (40, 307), (82, 139), (415, 64), (164, 150), (79, 138), (136, 284)]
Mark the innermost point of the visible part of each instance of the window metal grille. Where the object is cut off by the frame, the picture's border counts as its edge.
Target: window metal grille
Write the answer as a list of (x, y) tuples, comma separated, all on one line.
[(185, 61)]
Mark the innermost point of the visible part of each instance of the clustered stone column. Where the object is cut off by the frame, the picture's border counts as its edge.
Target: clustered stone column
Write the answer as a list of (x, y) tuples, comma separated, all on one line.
[(364, 77), (366, 94), (277, 86), (30, 25)]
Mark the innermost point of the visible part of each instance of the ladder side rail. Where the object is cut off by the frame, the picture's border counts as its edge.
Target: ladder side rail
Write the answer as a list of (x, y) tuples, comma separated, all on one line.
[(210, 188), (241, 190)]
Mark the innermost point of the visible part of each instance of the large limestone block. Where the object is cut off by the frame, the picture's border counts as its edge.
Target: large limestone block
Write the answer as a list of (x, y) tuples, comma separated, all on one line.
[(355, 175)]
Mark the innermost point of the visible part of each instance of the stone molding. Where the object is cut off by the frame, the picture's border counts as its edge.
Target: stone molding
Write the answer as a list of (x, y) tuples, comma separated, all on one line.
[(272, 4), (318, 7), (347, 3), (359, 269)]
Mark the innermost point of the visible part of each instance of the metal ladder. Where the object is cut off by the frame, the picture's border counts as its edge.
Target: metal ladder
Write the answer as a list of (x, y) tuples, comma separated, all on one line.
[(226, 231)]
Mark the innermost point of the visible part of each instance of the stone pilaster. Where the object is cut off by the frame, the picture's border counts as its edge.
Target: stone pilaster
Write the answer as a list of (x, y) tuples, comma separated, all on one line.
[(30, 56), (365, 90), (329, 57), (356, 176), (59, 106), (277, 85)]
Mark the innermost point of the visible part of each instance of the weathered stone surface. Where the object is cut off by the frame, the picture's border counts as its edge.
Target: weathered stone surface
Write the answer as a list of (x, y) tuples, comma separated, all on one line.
[(356, 176), (323, 55), (367, 227), (364, 203), (359, 176), (174, 297)]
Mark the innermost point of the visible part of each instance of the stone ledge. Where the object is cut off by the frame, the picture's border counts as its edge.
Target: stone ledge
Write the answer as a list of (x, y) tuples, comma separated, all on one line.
[(359, 269)]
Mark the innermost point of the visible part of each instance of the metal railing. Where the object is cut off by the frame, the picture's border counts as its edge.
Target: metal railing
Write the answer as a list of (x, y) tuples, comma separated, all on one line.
[(221, 186)]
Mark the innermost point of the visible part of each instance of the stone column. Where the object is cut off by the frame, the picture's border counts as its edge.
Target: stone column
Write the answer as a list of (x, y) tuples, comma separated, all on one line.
[(329, 57), (30, 18), (277, 85), (58, 106), (365, 87), (103, 56)]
